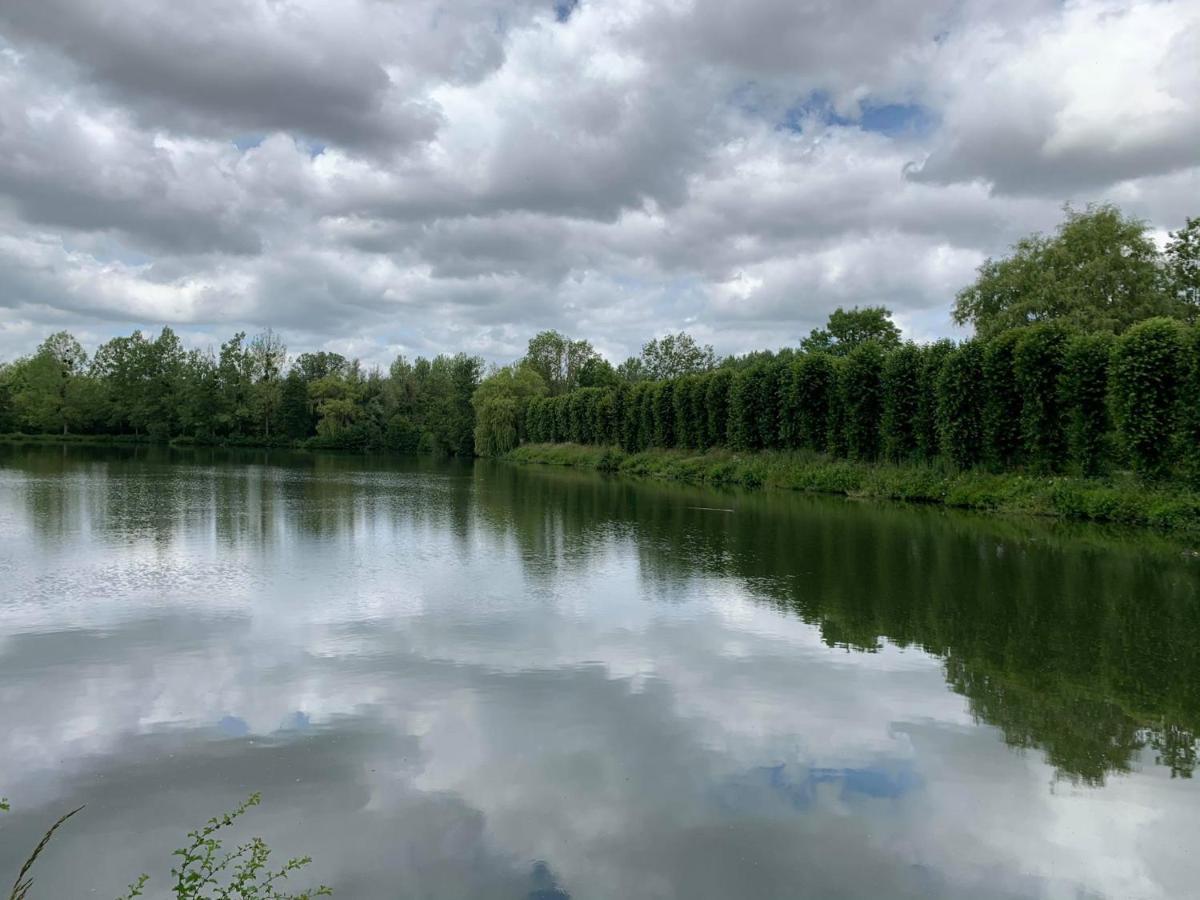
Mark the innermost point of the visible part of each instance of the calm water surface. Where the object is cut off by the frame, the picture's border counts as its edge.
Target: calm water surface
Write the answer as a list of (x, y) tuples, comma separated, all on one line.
[(455, 681)]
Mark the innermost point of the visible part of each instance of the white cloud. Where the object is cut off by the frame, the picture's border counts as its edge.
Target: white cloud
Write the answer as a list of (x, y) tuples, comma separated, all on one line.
[(414, 176)]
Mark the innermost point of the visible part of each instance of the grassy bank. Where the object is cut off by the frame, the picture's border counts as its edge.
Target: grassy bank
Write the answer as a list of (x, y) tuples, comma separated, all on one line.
[(1121, 499)]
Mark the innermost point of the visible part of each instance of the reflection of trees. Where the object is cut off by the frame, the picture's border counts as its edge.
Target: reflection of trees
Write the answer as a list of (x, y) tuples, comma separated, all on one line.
[(1079, 642)]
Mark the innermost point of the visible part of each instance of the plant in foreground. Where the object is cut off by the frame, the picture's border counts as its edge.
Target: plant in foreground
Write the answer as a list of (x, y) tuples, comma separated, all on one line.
[(204, 871)]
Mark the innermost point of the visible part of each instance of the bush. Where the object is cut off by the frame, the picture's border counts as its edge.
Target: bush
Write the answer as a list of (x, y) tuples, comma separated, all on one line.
[(753, 406), (959, 387), (862, 398), (662, 395), (1190, 411), (716, 402), (1038, 359), (1084, 388), (1148, 372), (1001, 402), (805, 389), (901, 398), (928, 433)]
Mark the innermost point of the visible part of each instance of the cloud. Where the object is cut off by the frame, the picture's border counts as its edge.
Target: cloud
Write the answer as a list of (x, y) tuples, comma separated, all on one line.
[(428, 177)]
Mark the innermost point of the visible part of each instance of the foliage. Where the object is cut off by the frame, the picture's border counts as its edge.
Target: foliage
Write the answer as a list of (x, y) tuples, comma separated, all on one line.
[(1002, 402), (901, 401), (558, 360), (1125, 502), (1101, 271), (1147, 373), (753, 401), (674, 355), (716, 400), (807, 386), (1037, 361), (1085, 399), (1190, 412), (847, 329), (959, 387), (204, 871), (861, 385), (1183, 266), (501, 404), (933, 357)]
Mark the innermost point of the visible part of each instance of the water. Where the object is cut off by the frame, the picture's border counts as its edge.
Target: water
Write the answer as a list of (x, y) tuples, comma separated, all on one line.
[(488, 681)]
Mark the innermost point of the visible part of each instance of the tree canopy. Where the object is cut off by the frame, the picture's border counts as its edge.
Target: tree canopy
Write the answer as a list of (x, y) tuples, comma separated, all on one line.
[(847, 329), (1100, 271)]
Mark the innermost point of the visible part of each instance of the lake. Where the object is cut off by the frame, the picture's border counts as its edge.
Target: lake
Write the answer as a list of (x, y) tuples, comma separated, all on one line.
[(455, 681)]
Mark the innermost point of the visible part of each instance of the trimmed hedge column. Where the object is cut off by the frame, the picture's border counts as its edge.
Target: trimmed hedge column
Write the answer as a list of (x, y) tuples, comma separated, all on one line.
[(1148, 371)]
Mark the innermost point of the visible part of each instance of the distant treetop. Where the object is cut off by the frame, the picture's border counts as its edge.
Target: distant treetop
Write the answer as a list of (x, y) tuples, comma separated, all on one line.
[(1100, 271)]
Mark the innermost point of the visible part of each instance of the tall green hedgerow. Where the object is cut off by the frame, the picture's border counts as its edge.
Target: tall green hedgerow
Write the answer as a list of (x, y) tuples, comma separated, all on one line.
[(663, 415), (862, 397), (716, 401), (1190, 406), (1001, 402), (806, 393), (753, 406), (959, 416), (1037, 369), (1084, 388), (901, 396), (933, 357), (1148, 372)]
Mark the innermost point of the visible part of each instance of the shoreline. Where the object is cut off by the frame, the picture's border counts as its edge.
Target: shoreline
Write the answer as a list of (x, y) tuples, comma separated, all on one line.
[(1121, 500)]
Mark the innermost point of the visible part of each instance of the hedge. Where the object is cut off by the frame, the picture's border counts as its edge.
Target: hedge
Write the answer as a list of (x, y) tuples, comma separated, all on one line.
[(1041, 398)]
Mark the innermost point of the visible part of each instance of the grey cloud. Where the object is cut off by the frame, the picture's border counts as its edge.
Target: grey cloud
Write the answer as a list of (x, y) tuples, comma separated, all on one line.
[(489, 171)]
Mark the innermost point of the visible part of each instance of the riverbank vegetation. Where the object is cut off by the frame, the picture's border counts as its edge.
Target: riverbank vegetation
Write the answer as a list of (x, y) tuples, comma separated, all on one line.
[(203, 869), (1125, 499), (1081, 386)]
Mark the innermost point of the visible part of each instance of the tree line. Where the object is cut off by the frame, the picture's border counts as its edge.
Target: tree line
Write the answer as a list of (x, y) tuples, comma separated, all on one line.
[(1047, 398), (1085, 359)]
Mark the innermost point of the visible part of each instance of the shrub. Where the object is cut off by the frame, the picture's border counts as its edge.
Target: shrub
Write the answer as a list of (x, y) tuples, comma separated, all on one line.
[(901, 397), (1190, 411), (716, 402), (959, 386), (1037, 367), (805, 388), (862, 398), (1001, 402), (753, 406), (663, 414), (1148, 371), (1084, 388), (928, 433)]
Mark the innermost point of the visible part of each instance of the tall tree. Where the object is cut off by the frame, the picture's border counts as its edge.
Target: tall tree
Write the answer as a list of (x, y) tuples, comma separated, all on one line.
[(674, 355), (558, 360), (1100, 271), (848, 329), (1183, 266)]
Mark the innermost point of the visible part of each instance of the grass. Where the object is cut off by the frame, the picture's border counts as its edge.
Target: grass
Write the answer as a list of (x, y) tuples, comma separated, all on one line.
[(1121, 499)]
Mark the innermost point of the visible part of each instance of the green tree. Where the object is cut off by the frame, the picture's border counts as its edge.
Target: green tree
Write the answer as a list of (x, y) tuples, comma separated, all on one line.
[(1084, 388), (1183, 266), (960, 421), (1148, 372), (1037, 364), (558, 360), (501, 404), (1002, 402), (861, 383), (847, 329), (901, 396), (674, 355), (1101, 271)]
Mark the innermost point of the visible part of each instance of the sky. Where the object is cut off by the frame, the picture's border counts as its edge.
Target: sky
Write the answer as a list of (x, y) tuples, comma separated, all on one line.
[(383, 177)]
